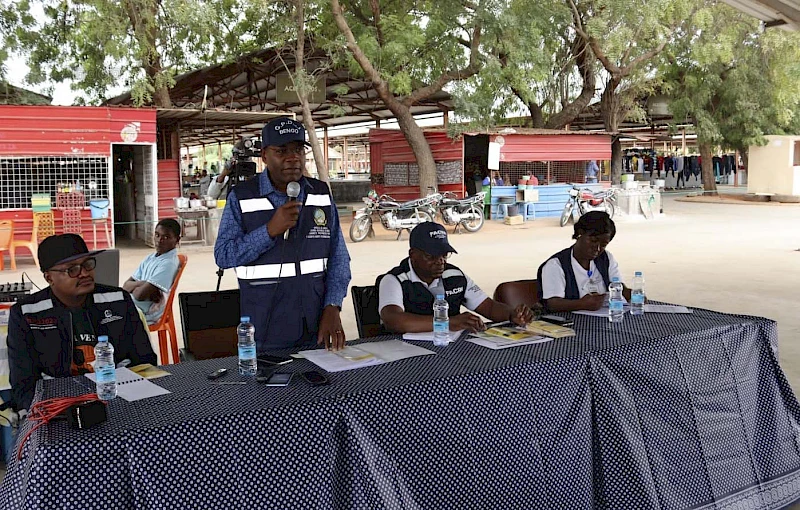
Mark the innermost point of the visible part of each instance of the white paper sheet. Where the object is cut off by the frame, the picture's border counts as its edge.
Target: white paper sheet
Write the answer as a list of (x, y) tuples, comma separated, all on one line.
[(666, 309), (496, 343), (331, 362), (393, 350), (132, 387), (427, 336)]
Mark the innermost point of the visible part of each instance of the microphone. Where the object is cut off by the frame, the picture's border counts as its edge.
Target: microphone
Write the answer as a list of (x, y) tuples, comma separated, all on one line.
[(293, 190)]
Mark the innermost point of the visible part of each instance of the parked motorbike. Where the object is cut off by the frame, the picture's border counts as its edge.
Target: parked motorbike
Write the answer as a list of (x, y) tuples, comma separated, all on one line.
[(582, 201), (465, 212), (393, 215)]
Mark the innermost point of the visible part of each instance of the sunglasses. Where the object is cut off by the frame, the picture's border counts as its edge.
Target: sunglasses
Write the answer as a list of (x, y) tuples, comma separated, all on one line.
[(75, 271)]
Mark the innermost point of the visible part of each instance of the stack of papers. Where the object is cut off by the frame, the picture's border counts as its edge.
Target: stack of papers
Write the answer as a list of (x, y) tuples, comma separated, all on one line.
[(550, 330), (666, 309), (132, 387), (148, 371), (503, 337), (427, 336), (363, 355)]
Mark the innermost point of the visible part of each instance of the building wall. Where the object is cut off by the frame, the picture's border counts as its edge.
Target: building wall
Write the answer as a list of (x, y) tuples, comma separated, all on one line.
[(775, 168), (71, 136)]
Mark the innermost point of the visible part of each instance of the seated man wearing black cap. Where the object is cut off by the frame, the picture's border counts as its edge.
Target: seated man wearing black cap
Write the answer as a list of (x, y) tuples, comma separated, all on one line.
[(407, 292), (53, 332)]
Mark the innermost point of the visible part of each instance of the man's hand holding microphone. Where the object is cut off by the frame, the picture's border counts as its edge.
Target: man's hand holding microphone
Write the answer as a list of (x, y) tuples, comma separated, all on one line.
[(286, 216)]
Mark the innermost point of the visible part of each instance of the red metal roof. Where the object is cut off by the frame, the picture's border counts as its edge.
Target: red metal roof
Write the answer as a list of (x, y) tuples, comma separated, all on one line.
[(72, 130)]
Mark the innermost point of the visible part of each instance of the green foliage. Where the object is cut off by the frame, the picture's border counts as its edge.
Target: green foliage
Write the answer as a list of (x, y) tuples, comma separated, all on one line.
[(737, 81)]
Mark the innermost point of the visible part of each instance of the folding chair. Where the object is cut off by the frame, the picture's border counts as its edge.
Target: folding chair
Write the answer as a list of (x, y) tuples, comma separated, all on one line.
[(365, 304), (166, 324), (209, 321)]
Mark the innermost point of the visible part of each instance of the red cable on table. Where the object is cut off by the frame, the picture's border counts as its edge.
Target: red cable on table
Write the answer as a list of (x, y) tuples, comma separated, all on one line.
[(46, 410)]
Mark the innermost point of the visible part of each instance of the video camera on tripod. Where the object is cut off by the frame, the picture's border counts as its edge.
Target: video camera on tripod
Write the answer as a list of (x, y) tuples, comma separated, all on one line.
[(240, 164)]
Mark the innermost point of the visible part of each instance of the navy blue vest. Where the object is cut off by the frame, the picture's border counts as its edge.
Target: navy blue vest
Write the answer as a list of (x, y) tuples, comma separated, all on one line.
[(418, 299), (565, 258), (283, 289)]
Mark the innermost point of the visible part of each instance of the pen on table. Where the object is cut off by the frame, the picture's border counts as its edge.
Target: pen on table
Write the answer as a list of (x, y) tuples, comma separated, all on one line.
[(228, 383)]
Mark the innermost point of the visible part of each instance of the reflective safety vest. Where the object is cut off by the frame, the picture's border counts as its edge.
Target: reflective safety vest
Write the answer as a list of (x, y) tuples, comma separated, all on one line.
[(571, 290), (283, 289), (418, 299)]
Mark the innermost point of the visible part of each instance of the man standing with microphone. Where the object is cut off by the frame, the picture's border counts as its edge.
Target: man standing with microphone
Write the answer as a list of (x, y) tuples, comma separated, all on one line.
[(280, 230)]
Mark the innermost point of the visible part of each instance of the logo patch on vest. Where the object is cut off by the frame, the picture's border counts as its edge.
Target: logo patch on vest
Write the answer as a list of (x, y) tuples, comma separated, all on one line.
[(110, 317), (454, 291), (42, 323), (319, 217)]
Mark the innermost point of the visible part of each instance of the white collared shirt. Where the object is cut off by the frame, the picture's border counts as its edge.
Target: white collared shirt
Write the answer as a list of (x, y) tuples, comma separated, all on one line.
[(390, 291), (554, 283)]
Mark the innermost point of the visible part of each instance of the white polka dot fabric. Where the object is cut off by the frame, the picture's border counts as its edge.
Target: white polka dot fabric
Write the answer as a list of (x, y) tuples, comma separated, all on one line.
[(657, 412)]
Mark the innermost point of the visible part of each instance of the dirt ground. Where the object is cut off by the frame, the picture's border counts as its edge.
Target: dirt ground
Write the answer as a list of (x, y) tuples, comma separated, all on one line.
[(731, 258)]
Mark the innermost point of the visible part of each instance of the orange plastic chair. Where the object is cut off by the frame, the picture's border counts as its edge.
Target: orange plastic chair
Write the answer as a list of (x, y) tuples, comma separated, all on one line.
[(166, 324), (6, 235), (31, 244)]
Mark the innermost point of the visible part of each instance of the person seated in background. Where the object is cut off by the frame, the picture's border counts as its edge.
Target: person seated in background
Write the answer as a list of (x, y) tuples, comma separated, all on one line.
[(53, 332), (205, 180), (496, 180), (577, 278), (407, 292), (151, 282)]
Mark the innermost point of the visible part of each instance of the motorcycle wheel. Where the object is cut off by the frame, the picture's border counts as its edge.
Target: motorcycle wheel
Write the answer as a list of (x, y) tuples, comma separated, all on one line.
[(566, 214), (611, 208), (360, 228), (475, 224), (421, 217)]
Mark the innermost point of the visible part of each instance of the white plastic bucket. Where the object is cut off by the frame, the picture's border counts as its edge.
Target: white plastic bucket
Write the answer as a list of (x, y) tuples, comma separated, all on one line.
[(99, 208)]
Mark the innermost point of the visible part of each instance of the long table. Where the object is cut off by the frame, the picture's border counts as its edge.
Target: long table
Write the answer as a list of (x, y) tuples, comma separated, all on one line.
[(659, 411)]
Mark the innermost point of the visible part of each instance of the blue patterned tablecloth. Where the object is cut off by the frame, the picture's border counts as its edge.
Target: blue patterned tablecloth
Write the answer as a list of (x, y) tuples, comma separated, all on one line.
[(660, 411)]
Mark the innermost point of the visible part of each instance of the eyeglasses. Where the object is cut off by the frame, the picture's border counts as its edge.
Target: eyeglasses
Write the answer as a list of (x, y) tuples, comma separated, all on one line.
[(285, 151), (75, 271)]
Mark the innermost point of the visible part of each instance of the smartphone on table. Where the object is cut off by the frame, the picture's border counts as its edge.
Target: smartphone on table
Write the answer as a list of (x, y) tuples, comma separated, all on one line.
[(277, 379), (556, 319)]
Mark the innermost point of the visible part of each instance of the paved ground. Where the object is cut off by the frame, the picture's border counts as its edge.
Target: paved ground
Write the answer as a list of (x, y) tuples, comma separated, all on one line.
[(730, 258)]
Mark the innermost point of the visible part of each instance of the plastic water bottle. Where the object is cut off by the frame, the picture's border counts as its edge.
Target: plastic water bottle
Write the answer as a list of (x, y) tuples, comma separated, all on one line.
[(637, 294), (248, 365), (441, 321), (616, 308), (105, 369)]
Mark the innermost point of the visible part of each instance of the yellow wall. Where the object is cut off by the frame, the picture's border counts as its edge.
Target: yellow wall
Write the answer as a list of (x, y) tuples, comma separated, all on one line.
[(771, 169)]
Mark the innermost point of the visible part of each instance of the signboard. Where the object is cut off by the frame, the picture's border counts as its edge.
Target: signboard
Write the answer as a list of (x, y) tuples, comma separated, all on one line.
[(285, 92)]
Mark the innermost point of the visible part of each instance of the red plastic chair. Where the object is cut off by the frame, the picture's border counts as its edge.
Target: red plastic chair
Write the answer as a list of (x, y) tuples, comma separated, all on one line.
[(166, 324)]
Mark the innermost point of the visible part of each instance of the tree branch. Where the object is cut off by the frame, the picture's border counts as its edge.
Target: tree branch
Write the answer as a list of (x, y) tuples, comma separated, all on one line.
[(471, 69), (376, 16)]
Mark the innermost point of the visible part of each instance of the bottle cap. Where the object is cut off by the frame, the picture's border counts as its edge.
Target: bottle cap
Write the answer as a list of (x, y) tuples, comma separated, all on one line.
[(615, 279), (637, 273), (439, 296), (102, 338), (245, 318)]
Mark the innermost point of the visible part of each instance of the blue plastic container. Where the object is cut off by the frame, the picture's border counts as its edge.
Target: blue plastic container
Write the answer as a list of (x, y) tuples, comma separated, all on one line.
[(99, 207)]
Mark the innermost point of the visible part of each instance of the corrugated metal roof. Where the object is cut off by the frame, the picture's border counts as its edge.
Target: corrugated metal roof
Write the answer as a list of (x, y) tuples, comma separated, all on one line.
[(782, 13)]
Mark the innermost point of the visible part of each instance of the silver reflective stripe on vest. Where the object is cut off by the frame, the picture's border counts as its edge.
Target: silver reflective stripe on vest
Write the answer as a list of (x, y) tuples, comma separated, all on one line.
[(319, 200), (37, 307), (402, 277), (449, 273), (255, 204), (265, 271), (313, 266), (108, 297)]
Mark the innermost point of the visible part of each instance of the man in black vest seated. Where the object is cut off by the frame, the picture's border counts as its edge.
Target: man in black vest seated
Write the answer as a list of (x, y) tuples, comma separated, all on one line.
[(53, 332), (577, 278), (407, 292)]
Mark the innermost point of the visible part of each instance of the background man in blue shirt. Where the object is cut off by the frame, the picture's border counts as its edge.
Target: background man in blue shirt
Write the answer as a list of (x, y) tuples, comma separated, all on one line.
[(290, 257)]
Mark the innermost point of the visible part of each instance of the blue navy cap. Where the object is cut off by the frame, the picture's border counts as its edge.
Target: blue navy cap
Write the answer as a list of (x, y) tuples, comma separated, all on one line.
[(283, 130), (431, 238)]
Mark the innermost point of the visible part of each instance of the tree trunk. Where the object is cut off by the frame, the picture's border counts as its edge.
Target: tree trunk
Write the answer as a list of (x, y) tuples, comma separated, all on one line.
[(537, 117), (302, 92), (585, 61), (616, 160), (610, 113), (707, 166), (161, 97), (419, 145)]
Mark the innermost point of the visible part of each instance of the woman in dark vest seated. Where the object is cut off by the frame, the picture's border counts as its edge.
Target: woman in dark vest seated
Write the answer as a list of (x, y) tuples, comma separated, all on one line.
[(577, 278), (407, 292)]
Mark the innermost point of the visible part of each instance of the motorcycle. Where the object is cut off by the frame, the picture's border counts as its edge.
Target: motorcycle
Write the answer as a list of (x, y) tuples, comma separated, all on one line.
[(466, 212), (393, 215), (582, 201)]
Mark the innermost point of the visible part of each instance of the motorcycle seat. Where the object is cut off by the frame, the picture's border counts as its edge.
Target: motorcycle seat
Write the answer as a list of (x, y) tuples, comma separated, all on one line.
[(449, 202), (388, 204)]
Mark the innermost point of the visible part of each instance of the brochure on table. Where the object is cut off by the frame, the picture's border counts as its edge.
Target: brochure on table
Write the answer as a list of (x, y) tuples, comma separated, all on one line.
[(363, 355)]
